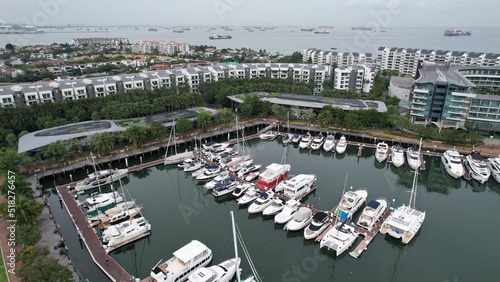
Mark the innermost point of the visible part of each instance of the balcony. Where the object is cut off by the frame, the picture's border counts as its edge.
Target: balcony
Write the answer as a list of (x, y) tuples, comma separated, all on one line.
[(460, 101), (418, 102), (458, 106), (416, 114)]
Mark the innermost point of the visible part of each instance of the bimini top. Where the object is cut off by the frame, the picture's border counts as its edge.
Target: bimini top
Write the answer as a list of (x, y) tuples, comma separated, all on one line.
[(42, 138), (373, 204)]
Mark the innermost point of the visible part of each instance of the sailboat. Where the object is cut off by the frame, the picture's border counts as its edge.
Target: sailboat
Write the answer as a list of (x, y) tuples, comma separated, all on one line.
[(255, 277), (176, 158), (405, 221), (242, 160), (99, 178)]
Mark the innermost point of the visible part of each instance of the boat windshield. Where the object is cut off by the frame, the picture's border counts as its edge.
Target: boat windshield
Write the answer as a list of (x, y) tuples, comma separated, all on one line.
[(455, 161)]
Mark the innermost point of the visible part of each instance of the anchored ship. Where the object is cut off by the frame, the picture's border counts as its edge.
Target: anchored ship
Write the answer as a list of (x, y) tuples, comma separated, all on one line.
[(456, 32)]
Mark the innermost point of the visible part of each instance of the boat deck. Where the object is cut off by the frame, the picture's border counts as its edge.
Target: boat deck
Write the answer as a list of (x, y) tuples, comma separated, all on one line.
[(368, 235)]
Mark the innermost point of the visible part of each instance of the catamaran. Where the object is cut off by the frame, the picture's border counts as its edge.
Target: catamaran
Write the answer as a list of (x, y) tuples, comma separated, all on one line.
[(405, 221), (339, 238), (126, 232)]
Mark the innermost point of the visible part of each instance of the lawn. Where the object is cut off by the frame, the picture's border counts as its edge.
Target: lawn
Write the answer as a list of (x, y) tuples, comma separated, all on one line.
[(3, 273)]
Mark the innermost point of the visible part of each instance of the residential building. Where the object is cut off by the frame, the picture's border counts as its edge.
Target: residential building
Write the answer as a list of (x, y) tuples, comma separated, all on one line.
[(99, 41), (358, 78), (159, 47), (333, 57)]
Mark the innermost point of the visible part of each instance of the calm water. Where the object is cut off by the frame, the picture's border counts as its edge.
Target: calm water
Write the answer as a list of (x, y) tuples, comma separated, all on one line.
[(287, 39), (457, 242)]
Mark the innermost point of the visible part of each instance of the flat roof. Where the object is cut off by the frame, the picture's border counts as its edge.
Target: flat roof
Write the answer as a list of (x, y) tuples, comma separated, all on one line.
[(189, 251), (42, 138)]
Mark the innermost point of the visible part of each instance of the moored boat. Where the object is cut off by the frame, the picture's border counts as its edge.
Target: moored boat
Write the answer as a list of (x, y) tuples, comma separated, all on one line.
[(274, 208), (300, 220), (341, 145), (296, 187), (413, 157), (339, 238), (263, 201), (351, 201), (317, 226), (305, 140), (317, 142), (382, 151), (397, 156), (452, 161), (477, 167), (287, 213), (372, 213), (329, 143), (273, 174), (494, 165)]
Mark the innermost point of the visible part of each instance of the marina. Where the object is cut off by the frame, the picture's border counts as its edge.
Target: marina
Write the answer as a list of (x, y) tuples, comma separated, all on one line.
[(317, 199)]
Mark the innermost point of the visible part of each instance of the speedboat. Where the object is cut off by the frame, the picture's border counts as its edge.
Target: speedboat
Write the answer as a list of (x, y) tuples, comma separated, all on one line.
[(263, 201), (339, 238), (296, 187), (250, 195), (241, 189), (184, 262), (350, 203), (382, 151), (477, 167), (329, 143), (287, 138), (123, 215), (126, 232), (300, 220), (317, 226), (187, 162), (305, 140), (223, 175), (273, 174), (372, 213), (222, 272), (267, 135), (194, 166), (317, 142), (274, 208), (252, 175), (397, 156), (225, 189), (287, 213), (413, 157), (209, 173), (341, 145), (296, 138), (248, 169), (452, 161), (494, 165)]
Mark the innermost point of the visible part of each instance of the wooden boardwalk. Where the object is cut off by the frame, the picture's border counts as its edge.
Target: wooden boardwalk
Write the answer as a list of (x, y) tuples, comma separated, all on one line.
[(106, 263)]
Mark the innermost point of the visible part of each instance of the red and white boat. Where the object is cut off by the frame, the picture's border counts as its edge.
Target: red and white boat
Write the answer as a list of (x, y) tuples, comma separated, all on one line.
[(273, 175)]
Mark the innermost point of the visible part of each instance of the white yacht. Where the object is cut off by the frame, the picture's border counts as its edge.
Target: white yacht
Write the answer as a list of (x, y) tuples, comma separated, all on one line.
[(222, 272), (287, 138), (246, 170), (187, 162), (250, 195), (339, 238), (252, 175), (341, 145), (209, 173), (397, 156), (317, 142), (494, 165), (124, 214), (274, 208), (305, 140), (351, 201), (100, 178), (382, 151), (296, 138), (413, 157), (296, 187), (317, 226), (194, 166), (372, 213), (225, 189), (300, 220), (329, 143), (263, 201), (287, 213), (221, 177), (101, 201), (405, 221), (126, 232), (452, 161), (184, 262), (241, 189), (477, 167), (268, 135)]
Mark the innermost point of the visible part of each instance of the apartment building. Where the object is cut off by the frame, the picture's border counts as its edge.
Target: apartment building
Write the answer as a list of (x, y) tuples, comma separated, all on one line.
[(358, 78), (405, 60), (159, 46), (99, 41), (333, 57)]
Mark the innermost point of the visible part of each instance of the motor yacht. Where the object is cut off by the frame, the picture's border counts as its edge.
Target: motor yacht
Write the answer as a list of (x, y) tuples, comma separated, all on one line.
[(252, 175), (305, 141), (296, 138), (223, 175), (298, 186), (274, 208), (222, 272), (382, 151), (339, 238), (452, 161), (273, 174), (246, 170), (125, 214), (341, 145), (126, 232), (185, 261), (320, 222), (194, 166), (413, 157), (241, 189), (250, 195), (287, 213), (372, 213), (209, 173), (263, 201), (317, 142), (397, 156), (101, 202), (329, 143), (225, 189), (477, 168), (494, 165), (351, 201), (300, 220), (268, 135), (287, 138)]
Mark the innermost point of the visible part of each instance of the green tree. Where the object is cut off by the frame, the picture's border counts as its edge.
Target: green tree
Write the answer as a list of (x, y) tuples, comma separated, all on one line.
[(11, 139), (246, 110), (157, 130), (39, 265), (10, 47), (183, 125), (351, 119), (27, 209), (55, 151), (266, 108), (225, 115), (102, 143), (204, 120), (136, 135), (28, 235), (280, 112), (22, 133)]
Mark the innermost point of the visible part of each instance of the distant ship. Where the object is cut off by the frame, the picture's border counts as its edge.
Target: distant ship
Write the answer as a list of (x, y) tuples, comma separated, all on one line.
[(216, 36), (307, 29), (361, 28), (152, 29), (178, 31), (456, 32), (326, 27), (322, 32)]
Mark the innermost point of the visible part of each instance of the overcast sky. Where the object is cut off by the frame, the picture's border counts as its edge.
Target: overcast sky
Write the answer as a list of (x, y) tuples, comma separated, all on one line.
[(402, 13)]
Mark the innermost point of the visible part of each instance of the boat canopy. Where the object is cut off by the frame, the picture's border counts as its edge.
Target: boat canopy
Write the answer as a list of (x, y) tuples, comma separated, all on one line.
[(263, 195), (210, 143), (320, 216), (302, 214), (373, 204)]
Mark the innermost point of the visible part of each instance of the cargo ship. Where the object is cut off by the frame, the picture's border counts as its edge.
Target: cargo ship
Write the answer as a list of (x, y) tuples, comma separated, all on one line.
[(361, 28), (307, 29), (152, 29), (322, 32), (216, 36), (456, 32)]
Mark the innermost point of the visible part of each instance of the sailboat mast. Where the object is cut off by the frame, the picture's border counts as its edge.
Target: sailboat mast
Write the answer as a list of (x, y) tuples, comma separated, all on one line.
[(96, 174), (175, 139), (414, 184), (235, 248)]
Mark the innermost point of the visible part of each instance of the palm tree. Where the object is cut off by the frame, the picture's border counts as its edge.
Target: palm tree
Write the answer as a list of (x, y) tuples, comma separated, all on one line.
[(204, 120), (103, 143), (136, 135), (27, 210)]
